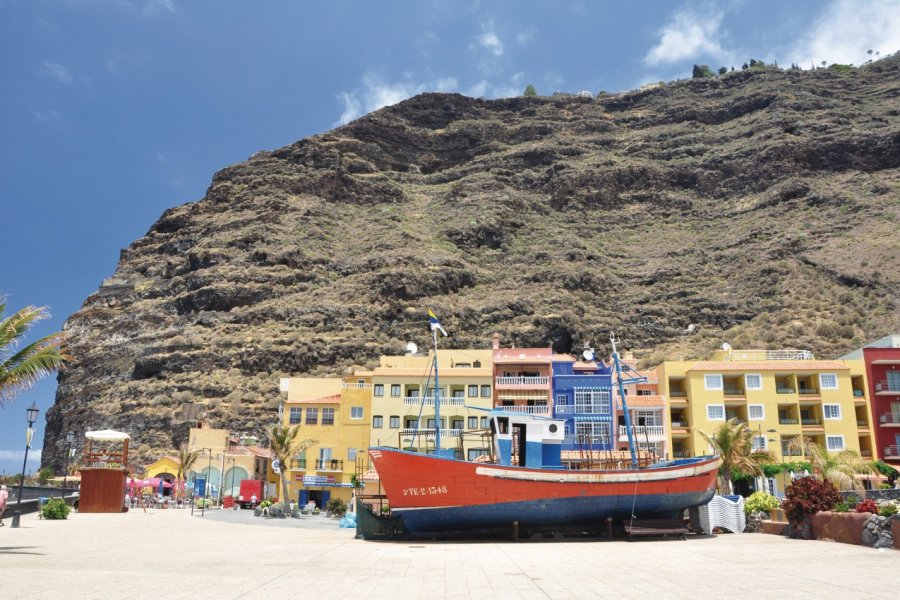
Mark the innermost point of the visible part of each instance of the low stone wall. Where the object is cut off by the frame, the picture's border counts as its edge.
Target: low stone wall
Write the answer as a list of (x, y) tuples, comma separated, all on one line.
[(846, 528), (893, 494)]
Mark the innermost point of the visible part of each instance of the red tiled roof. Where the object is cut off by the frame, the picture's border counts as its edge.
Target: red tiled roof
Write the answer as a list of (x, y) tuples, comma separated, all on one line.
[(333, 399)]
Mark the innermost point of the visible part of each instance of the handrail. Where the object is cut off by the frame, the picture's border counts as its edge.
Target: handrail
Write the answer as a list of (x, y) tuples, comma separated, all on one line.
[(523, 380)]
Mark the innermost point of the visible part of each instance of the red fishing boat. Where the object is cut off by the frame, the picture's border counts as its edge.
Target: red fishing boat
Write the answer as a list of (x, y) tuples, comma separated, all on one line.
[(524, 481)]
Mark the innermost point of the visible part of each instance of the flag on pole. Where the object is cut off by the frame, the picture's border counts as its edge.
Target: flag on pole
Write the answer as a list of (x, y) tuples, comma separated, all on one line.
[(435, 324)]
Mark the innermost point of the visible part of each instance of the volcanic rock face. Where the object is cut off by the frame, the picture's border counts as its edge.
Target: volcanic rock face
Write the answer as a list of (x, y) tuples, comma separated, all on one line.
[(759, 208)]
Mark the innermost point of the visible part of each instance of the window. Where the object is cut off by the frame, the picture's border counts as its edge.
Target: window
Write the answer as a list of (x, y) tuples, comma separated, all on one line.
[(377, 422), (834, 443), (753, 381), (828, 381), (456, 423), (484, 423), (412, 393), (351, 454), (562, 400), (643, 392), (473, 422), (431, 423), (395, 422), (473, 391), (296, 415), (356, 412), (395, 390), (712, 382), (592, 401), (312, 415), (379, 389), (759, 443), (476, 452), (324, 454), (831, 411), (457, 393), (327, 416), (591, 432), (412, 423), (756, 412), (715, 412), (485, 391)]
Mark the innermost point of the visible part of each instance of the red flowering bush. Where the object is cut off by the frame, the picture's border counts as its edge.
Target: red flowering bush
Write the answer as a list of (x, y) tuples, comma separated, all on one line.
[(868, 505), (807, 496)]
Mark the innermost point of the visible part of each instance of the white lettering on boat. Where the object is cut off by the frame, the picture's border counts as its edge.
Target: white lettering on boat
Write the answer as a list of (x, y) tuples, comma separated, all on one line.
[(431, 490)]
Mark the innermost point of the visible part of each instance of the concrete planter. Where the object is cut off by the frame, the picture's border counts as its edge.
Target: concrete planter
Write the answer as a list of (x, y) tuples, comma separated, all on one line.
[(846, 528)]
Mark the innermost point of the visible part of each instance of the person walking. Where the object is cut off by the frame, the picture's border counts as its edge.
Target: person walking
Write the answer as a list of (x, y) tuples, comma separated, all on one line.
[(3, 496)]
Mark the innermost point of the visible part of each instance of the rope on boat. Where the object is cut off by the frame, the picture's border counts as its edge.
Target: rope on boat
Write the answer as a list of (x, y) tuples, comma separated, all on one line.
[(633, 501)]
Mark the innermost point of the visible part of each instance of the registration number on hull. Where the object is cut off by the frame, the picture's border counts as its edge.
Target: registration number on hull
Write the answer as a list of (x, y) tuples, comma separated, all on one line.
[(425, 491)]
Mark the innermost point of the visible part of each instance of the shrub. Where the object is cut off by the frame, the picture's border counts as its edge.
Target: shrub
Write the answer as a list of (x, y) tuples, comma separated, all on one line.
[(55, 509), (265, 504), (888, 509), (841, 507), (530, 91), (761, 502), (336, 506), (807, 496), (851, 500), (701, 71), (868, 505)]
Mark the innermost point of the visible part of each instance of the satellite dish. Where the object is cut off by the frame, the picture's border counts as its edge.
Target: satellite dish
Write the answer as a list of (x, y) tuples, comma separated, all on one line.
[(726, 347), (411, 347), (588, 354)]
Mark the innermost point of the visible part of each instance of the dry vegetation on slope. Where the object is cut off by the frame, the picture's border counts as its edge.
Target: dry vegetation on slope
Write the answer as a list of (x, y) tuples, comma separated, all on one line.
[(760, 207)]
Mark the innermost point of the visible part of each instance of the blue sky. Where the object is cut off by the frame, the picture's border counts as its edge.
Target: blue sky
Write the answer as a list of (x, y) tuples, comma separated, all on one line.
[(112, 111)]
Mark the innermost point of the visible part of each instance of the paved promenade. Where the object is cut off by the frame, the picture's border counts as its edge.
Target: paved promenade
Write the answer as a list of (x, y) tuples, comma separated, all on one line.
[(169, 554)]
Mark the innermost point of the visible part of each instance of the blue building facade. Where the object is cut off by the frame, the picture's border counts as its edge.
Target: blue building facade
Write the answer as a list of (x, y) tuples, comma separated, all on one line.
[(582, 395)]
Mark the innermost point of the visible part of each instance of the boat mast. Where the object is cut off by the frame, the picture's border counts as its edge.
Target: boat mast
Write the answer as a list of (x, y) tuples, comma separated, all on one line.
[(437, 399), (615, 356)]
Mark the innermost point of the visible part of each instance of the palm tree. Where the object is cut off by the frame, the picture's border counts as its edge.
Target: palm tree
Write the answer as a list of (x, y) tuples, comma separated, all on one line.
[(285, 445), (733, 442), (839, 468), (186, 460), (19, 370)]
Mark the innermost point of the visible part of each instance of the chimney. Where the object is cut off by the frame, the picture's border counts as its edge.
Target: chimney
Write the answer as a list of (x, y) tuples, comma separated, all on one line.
[(496, 344)]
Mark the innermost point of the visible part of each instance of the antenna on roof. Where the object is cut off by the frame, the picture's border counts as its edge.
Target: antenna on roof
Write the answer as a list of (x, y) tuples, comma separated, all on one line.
[(411, 347), (588, 354), (726, 347)]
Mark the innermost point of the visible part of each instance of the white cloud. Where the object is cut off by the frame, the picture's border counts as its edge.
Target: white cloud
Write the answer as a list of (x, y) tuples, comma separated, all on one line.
[(47, 116), (523, 37), (56, 71), (489, 40), (34, 455), (378, 94), (155, 7), (514, 86), (688, 35), (846, 30)]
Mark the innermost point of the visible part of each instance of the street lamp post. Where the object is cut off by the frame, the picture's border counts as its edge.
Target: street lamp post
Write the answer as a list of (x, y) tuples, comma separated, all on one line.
[(31, 415), (70, 437), (222, 481), (231, 488)]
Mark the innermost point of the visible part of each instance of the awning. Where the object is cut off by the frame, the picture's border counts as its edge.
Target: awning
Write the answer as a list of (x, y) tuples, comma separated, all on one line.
[(107, 435)]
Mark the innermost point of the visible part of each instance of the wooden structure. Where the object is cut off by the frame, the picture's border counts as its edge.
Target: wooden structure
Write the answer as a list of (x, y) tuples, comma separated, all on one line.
[(103, 474), (656, 527)]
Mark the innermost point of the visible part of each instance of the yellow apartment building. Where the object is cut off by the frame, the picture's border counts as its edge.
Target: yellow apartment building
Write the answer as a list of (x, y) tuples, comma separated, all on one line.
[(781, 395), (335, 412), (403, 406), (224, 460)]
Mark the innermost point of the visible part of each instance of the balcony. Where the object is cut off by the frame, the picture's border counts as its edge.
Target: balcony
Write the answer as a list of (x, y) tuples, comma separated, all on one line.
[(537, 409), (785, 390), (787, 421), (811, 423), (643, 433), (356, 386), (429, 401), (680, 425), (677, 394), (734, 392), (862, 424), (298, 464), (808, 391), (889, 419), (892, 452), (445, 433), (765, 355), (329, 465), (887, 388), (522, 383), (579, 440), (642, 400), (785, 451)]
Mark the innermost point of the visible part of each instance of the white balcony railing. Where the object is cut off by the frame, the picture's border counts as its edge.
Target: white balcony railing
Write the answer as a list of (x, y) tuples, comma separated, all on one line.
[(892, 451), (759, 355), (523, 381), (889, 419), (429, 401), (445, 433), (585, 409), (887, 387), (584, 440), (654, 433), (539, 409)]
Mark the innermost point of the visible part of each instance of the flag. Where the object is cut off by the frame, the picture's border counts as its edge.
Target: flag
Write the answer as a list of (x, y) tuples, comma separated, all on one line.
[(435, 324)]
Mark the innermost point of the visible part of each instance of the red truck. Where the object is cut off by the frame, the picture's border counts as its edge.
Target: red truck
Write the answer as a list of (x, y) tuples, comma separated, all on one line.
[(249, 489)]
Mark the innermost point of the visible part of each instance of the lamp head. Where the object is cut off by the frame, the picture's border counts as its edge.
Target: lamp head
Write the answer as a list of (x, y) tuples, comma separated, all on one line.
[(70, 437), (32, 413)]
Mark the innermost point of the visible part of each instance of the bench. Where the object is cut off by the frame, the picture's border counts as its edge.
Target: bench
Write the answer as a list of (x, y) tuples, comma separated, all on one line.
[(656, 527)]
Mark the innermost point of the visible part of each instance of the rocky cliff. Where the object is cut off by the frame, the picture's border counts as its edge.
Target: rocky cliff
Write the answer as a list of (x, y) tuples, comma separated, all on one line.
[(759, 208)]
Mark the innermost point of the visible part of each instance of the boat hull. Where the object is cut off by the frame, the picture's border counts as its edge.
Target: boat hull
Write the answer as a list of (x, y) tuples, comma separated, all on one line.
[(439, 495)]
